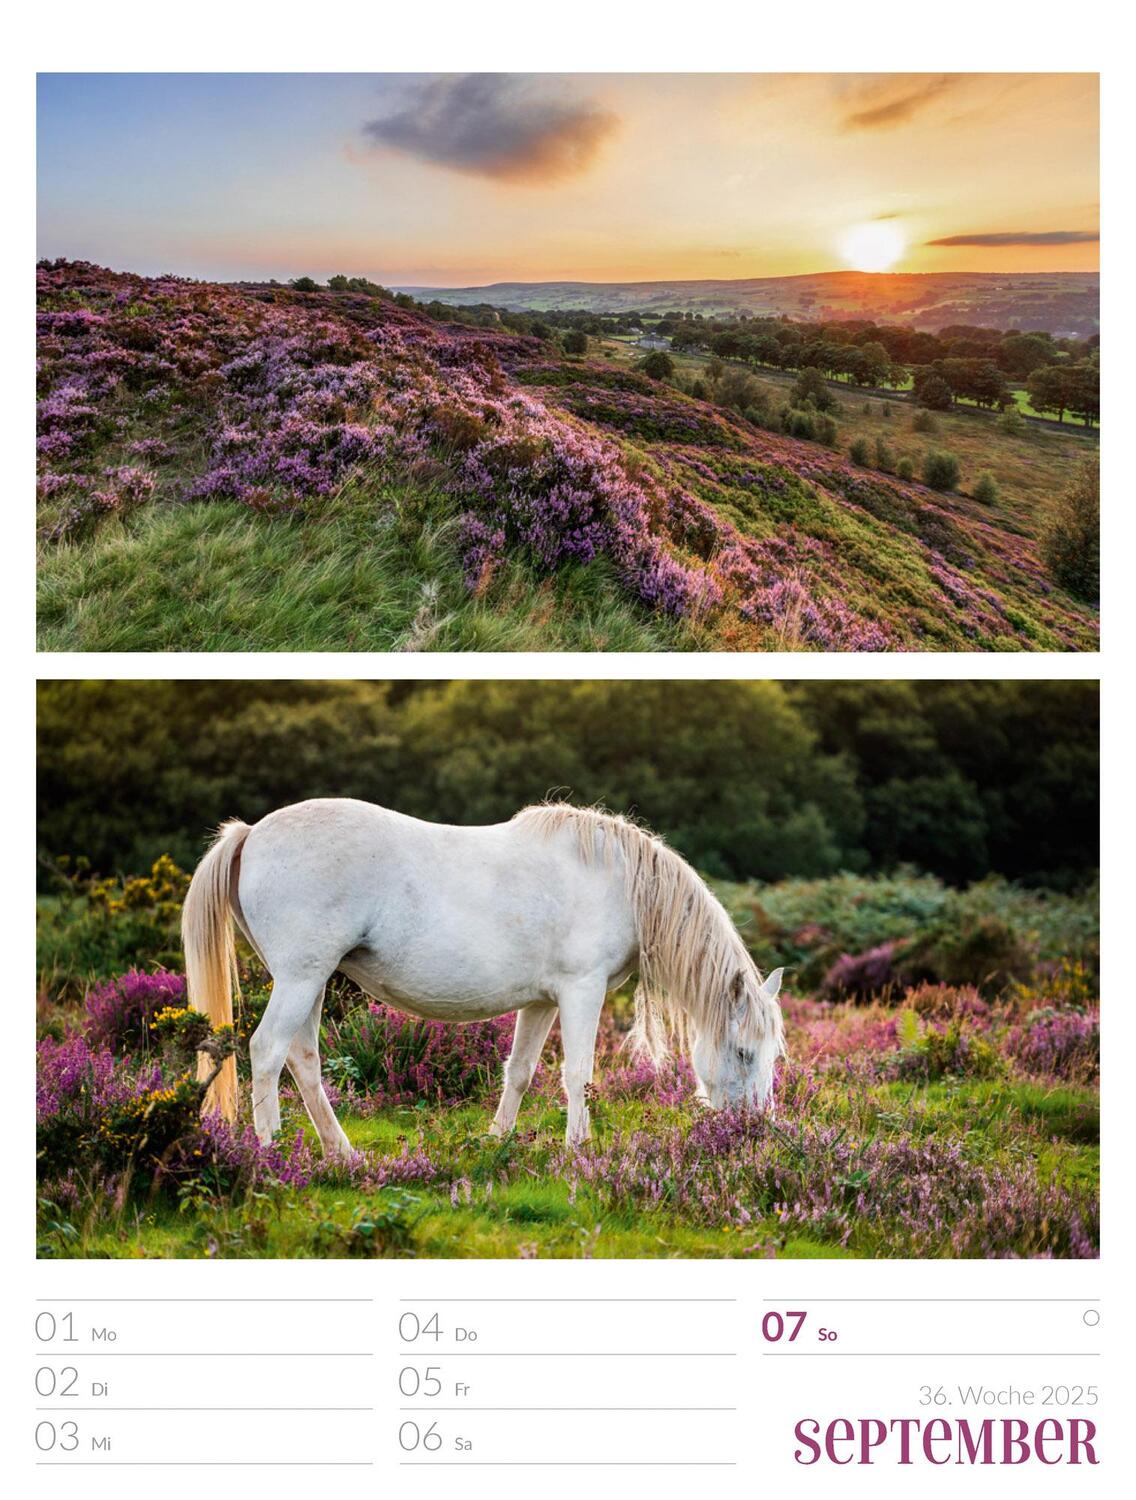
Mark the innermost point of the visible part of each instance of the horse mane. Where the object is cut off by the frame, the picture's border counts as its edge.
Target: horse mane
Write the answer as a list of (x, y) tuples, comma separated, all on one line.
[(690, 952)]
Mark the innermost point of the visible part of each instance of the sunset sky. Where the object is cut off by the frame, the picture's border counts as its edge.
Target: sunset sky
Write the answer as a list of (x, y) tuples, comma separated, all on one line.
[(456, 180)]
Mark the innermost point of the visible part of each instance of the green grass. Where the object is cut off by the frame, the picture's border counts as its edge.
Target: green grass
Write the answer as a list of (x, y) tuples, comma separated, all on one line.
[(1021, 400), (516, 1205), (377, 570)]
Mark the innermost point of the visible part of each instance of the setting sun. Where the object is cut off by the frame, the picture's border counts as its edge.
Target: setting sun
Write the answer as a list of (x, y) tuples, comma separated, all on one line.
[(872, 247)]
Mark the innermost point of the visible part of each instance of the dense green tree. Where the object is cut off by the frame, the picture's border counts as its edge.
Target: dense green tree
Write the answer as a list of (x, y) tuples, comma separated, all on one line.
[(932, 391), (1083, 389), (745, 778), (935, 758), (1020, 354), (1048, 391), (1070, 537)]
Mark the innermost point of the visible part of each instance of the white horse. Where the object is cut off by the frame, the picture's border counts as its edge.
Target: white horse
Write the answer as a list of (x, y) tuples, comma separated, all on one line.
[(542, 915)]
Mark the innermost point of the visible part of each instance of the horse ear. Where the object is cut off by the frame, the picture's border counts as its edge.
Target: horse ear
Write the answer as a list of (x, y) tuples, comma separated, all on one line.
[(737, 995), (772, 986)]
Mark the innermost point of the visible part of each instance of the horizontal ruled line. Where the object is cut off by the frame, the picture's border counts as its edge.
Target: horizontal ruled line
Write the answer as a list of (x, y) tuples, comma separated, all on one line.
[(206, 1354), (568, 1354), (1075, 1300), (931, 1354), (204, 1463), (365, 1300), (562, 1408), (730, 1300), (567, 1463), (205, 1408)]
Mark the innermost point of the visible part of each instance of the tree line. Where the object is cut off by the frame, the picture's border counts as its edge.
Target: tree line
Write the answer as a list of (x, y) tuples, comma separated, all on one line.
[(959, 363), (749, 780)]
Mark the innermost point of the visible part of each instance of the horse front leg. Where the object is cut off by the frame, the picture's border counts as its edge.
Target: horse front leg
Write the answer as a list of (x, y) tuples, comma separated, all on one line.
[(533, 1025), (580, 1007)]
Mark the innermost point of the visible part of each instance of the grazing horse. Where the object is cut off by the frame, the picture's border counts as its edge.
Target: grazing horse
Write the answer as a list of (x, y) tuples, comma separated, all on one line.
[(543, 915)]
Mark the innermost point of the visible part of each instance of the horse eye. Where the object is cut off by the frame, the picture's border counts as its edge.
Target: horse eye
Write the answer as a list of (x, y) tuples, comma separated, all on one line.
[(744, 1056)]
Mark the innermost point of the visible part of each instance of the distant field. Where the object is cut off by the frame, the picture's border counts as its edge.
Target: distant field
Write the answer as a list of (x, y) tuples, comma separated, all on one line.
[(1067, 302)]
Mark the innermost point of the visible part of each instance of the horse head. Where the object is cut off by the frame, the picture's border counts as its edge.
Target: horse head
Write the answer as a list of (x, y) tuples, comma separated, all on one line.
[(734, 1062)]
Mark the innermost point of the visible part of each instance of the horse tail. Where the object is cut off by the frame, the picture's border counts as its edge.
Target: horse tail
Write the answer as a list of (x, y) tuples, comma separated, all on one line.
[(211, 952)]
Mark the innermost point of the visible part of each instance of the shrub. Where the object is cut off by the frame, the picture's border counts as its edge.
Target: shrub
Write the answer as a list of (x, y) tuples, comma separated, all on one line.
[(985, 488), (946, 1001), (1070, 983), (858, 451), (799, 424), (398, 1059), (928, 1053), (96, 1113), (1057, 1044), (658, 365), (885, 458), (384, 1226), (864, 974), (940, 470), (985, 951), (575, 341), (1012, 421), (120, 1013), (810, 385), (905, 469), (824, 429), (1070, 537), (737, 390), (923, 421), (98, 928)]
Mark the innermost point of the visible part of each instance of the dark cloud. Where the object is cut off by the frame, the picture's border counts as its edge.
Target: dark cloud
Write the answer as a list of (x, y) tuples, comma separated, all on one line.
[(495, 125), (1049, 237), (881, 103)]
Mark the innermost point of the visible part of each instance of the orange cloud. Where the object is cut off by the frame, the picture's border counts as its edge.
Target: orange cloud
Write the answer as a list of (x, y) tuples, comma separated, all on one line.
[(884, 102)]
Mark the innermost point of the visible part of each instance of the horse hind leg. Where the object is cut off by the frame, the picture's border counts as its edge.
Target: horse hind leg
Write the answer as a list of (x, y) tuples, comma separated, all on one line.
[(290, 1006), (304, 1066), (533, 1025)]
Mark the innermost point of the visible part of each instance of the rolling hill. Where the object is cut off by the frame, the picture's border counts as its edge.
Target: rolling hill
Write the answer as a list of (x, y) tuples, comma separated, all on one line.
[(367, 463), (1065, 302)]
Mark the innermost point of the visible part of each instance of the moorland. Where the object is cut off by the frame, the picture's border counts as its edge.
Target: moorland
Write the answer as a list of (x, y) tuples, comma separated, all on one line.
[(270, 467)]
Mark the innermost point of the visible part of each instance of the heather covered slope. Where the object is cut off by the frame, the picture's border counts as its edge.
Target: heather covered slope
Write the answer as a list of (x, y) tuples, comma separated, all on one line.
[(549, 485)]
